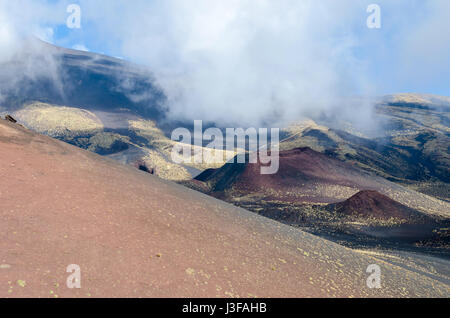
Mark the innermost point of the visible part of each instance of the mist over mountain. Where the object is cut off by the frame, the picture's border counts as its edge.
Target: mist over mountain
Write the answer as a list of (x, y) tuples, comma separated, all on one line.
[(253, 65), (42, 72), (39, 71), (406, 140)]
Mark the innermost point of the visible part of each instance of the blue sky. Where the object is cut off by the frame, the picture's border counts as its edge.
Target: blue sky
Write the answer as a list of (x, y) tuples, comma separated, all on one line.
[(379, 49)]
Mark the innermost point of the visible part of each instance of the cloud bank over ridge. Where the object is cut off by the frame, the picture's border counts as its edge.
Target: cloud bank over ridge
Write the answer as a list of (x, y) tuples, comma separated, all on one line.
[(251, 63)]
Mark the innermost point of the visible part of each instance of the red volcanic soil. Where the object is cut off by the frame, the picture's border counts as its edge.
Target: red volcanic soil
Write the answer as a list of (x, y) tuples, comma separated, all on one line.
[(141, 165), (376, 205), (135, 235), (415, 226), (304, 175), (308, 177)]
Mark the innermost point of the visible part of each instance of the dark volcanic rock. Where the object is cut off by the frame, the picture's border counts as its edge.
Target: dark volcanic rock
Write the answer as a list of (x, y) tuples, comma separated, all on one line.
[(375, 205), (142, 165), (9, 118), (304, 175), (380, 217)]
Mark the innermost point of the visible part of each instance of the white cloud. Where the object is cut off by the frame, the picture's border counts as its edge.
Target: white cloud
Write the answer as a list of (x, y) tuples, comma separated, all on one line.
[(45, 34), (80, 47), (253, 61), (426, 44), (241, 60), (22, 23)]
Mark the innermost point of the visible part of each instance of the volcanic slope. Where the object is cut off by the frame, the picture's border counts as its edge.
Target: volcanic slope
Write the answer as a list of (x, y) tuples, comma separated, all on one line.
[(408, 141), (106, 105), (373, 204), (369, 213), (306, 176), (133, 234)]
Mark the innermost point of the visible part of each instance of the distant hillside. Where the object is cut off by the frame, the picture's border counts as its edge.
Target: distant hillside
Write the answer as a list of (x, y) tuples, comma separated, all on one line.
[(371, 214), (308, 176), (411, 145), (102, 104), (334, 199), (79, 79), (115, 108), (371, 204)]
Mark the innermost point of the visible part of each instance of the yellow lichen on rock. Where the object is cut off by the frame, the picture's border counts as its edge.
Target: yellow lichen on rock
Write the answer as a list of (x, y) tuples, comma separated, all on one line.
[(54, 120)]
